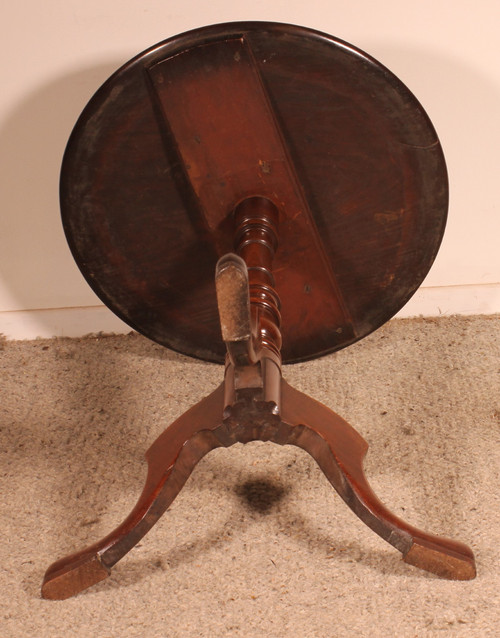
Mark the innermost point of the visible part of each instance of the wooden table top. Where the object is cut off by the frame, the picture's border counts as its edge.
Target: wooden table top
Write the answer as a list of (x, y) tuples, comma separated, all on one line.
[(177, 136)]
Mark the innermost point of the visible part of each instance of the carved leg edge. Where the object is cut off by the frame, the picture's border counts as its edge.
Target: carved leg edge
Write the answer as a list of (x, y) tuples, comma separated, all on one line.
[(339, 451), (442, 556), (72, 574), (171, 459)]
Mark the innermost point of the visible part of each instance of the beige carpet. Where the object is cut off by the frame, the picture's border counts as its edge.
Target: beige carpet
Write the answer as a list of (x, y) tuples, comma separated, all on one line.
[(257, 543)]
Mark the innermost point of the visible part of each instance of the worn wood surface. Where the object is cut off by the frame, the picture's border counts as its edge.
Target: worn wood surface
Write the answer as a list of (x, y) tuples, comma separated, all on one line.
[(170, 144), (254, 403), (323, 174), (338, 449)]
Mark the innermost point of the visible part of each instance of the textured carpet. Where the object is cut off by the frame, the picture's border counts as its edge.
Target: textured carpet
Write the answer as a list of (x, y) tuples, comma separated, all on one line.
[(257, 543)]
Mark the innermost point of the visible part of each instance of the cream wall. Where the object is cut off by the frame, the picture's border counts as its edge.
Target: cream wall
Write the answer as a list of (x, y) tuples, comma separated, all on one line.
[(56, 53)]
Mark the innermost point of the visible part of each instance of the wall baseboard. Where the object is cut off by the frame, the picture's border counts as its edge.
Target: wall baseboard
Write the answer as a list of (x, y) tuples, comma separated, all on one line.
[(437, 301), (60, 322), (77, 322)]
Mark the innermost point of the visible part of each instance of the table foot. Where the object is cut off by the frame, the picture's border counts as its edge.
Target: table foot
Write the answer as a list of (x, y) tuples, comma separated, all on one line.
[(171, 459), (339, 450)]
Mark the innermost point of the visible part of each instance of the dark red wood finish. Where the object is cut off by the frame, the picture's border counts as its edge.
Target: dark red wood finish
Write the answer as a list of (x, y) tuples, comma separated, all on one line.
[(322, 173), (171, 143), (255, 403)]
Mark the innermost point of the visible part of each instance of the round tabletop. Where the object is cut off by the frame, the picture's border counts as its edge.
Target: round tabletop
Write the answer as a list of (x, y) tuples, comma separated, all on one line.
[(179, 135)]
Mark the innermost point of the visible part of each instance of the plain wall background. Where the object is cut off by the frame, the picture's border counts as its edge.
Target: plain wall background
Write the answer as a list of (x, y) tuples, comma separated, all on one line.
[(56, 53)]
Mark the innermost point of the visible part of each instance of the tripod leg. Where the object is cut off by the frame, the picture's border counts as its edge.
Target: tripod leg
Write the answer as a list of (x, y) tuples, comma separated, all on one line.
[(339, 451), (171, 459)]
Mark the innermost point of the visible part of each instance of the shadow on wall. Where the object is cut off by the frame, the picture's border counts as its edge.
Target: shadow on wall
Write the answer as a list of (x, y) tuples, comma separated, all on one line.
[(36, 267)]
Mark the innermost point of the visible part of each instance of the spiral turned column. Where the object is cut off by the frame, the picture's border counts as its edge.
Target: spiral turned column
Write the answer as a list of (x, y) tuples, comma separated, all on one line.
[(249, 306), (256, 241)]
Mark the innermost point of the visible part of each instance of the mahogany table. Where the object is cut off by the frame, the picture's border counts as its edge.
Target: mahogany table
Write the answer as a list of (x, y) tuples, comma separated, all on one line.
[(254, 193)]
